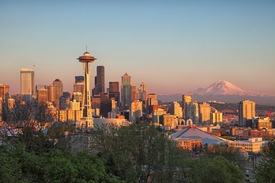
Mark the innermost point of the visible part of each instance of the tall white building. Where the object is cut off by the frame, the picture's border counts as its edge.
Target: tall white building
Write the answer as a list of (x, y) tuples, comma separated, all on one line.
[(26, 81)]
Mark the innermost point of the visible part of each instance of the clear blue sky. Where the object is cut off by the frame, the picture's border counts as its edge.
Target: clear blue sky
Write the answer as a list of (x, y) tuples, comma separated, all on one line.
[(172, 46)]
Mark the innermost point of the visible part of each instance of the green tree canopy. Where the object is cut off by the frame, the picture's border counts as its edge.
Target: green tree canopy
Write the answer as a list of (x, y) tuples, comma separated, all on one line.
[(17, 165), (139, 153), (218, 170), (265, 170)]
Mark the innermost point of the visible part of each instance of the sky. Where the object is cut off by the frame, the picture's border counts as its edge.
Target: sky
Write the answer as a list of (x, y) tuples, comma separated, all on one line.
[(172, 46)]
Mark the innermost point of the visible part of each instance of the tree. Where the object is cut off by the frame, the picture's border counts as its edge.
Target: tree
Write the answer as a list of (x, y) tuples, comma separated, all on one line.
[(265, 171), (139, 153), (17, 165), (232, 155), (218, 170)]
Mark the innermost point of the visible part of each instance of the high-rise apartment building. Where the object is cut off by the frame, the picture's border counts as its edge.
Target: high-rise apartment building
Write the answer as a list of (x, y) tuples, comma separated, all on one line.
[(205, 111), (192, 111), (27, 83), (176, 109), (79, 79), (4, 92), (246, 111), (59, 91), (114, 91), (99, 80), (186, 99), (126, 91), (42, 95)]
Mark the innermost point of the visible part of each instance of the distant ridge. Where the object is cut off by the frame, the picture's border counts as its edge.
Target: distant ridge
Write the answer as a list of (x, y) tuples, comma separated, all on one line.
[(223, 91)]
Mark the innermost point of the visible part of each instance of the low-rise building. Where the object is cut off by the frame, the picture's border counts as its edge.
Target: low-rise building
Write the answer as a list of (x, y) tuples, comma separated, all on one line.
[(251, 145), (188, 143)]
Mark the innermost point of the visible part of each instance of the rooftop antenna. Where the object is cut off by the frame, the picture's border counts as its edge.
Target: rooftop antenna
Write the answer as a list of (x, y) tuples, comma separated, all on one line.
[(86, 48)]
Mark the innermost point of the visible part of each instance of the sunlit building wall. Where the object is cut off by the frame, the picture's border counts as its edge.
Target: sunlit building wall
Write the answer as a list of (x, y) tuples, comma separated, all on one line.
[(246, 111), (169, 120), (74, 105), (157, 116), (59, 91), (136, 110), (4, 92), (176, 109), (42, 95), (216, 117), (26, 81), (205, 111), (51, 93), (78, 87), (186, 99)]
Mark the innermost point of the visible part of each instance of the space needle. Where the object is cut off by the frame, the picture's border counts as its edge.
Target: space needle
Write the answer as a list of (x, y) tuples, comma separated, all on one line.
[(87, 61)]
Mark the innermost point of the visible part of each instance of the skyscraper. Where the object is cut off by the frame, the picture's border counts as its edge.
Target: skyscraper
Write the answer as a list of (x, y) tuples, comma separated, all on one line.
[(176, 109), (246, 111), (205, 110), (114, 91), (79, 79), (51, 93), (79, 87), (4, 92), (126, 91), (100, 80), (136, 110), (59, 91), (27, 83), (142, 94), (42, 95), (186, 99), (134, 92)]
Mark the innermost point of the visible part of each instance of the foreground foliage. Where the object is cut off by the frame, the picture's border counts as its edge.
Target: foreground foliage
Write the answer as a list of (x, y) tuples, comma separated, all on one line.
[(218, 170), (139, 153), (265, 171), (17, 165)]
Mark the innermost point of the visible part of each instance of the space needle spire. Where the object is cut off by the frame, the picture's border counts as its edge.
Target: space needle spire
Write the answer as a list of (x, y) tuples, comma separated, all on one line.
[(87, 61)]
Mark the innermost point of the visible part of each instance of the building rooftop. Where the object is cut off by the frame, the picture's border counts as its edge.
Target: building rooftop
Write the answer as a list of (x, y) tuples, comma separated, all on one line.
[(195, 133)]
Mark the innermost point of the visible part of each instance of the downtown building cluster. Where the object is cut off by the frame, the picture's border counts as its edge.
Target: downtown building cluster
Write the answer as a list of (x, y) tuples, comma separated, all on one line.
[(120, 100)]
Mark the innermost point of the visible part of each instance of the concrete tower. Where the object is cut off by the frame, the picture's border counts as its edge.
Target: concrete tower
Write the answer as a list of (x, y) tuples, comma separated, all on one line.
[(86, 60)]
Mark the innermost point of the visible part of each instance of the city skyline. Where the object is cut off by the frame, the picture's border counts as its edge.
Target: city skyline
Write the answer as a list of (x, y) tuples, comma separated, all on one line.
[(173, 47)]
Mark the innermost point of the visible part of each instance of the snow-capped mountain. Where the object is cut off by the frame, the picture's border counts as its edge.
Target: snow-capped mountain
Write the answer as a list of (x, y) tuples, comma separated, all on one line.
[(223, 88), (222, 91)]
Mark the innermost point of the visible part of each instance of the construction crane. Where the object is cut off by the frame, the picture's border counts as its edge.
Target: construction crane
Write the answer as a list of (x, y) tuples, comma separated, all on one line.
[(268, 114)]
